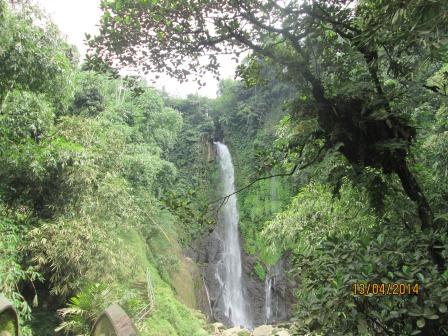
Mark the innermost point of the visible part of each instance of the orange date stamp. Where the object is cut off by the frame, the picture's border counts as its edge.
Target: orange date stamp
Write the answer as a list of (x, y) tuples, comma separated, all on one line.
[(381, 289)]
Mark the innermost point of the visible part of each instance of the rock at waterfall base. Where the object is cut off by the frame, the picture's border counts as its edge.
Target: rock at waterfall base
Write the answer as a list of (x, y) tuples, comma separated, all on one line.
[(282, 332), (218, 328), (236, 331), (263, 330)]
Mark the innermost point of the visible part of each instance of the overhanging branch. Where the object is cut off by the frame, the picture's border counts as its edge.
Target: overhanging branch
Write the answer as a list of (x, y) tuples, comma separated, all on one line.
[(296, 166)]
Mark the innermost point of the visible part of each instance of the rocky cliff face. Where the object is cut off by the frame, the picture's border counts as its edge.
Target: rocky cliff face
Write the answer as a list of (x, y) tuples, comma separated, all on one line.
[(207, 253), (281, 292)]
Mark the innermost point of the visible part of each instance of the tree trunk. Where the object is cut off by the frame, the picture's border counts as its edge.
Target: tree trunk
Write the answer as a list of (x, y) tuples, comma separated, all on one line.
[(415, 193)]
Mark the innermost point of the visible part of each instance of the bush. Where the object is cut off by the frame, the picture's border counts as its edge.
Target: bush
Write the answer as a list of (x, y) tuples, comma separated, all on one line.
[(338, 243)]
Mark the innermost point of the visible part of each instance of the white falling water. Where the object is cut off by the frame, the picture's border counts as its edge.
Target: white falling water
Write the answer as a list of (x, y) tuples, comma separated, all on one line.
[(229, 272), (268, 298), (271, 301), (208, 297)]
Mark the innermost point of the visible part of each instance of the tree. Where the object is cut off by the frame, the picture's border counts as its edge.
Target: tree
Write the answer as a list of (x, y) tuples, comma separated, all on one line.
[(33, 56), (302, 38)]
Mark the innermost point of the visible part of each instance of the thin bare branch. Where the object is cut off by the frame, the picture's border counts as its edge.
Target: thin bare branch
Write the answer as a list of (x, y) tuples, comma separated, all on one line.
[(296, 166)]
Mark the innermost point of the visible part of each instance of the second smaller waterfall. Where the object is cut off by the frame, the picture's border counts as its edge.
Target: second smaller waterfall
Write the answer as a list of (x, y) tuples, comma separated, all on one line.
[(268, 298), (272, 309)]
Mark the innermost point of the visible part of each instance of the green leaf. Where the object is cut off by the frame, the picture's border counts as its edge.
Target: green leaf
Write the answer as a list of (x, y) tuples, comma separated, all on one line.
[(420, 277), (421, 323)]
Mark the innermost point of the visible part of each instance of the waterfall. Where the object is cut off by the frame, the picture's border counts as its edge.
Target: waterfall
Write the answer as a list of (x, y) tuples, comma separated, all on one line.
[(229, 271), (268, 298), (208, 298), (272, 308)]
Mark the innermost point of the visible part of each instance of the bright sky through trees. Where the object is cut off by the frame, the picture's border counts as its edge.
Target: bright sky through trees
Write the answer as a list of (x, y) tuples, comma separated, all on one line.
[(77, 17)]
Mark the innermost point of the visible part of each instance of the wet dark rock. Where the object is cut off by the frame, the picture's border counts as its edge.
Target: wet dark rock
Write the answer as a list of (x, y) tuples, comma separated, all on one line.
[(207, 253), (255, 290)]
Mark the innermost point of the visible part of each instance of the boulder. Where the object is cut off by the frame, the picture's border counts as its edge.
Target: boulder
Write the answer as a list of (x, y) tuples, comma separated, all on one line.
[(218, 327), (282, 332), (236, 331), (263, 330)]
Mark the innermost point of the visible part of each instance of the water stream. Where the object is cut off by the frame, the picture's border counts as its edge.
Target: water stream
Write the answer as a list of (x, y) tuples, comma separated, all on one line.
[(207, 294), (229, 270), (272, 312), (268, 298)]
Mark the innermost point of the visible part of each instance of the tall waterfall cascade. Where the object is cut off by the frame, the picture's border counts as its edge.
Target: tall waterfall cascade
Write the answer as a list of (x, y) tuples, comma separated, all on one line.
[(229, 271)]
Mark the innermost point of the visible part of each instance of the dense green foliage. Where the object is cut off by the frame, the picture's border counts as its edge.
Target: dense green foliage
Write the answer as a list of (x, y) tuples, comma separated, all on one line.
[(361, 119), (82, 172), (369, 91), (192, 154), (345, 226), (338, 132)]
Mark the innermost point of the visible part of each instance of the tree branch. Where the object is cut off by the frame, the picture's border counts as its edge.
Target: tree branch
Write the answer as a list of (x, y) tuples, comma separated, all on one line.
[(296, 166), (334, 23)]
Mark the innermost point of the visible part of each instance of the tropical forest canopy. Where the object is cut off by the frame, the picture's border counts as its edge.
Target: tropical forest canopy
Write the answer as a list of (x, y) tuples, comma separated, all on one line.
[(338, 128)]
